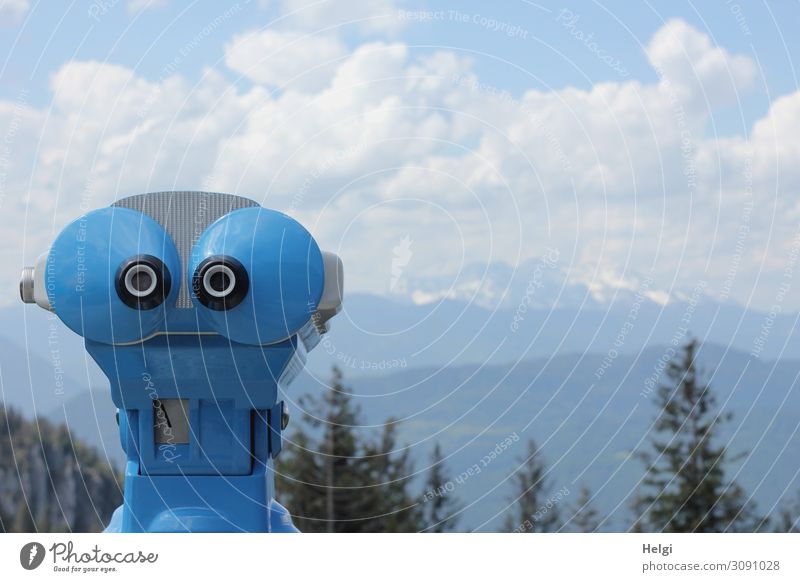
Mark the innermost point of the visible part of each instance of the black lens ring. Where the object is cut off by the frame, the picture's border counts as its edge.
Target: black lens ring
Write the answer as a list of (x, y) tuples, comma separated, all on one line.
[(232, 299), (159, 293)]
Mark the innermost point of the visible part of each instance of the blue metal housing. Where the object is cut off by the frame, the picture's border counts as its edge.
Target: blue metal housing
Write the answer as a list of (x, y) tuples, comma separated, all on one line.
[(221, 480), (285, 268), (222, 367), (82, 268)]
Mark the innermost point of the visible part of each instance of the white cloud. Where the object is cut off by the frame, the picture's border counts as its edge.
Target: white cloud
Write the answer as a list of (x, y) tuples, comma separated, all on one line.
[(13, 11), (285, 59), (698, 70), (389, 144)]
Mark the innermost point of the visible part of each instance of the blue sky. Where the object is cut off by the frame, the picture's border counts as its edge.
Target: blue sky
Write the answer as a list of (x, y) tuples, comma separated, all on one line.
[(620, 133), (48, 36)]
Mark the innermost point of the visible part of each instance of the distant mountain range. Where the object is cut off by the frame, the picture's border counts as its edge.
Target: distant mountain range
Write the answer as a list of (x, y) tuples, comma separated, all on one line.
[(546, 281), (43, 362), (374, 333)]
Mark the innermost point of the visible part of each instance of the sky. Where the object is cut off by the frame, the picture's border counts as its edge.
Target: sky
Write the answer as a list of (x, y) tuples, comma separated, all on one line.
[(642, 141)]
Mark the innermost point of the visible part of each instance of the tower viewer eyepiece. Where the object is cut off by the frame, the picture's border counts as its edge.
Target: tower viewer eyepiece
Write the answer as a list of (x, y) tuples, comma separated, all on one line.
[(220, 283), (143, 282), (199, 308)]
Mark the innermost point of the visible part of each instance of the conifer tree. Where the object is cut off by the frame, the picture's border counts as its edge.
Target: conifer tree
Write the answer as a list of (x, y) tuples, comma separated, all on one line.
[(585, 518), (534, 506), (43, 525), (439, 506), (23, 520), (390, 497), (685, 488), (81, 492), (788, 518), (5, 521), (335, 478)]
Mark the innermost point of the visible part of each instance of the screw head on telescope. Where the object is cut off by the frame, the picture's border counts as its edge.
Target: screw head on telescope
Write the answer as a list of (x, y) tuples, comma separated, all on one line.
[(284, 415)]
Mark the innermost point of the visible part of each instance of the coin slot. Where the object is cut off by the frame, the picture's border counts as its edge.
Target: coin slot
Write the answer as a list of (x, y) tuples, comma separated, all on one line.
[(171, 421)]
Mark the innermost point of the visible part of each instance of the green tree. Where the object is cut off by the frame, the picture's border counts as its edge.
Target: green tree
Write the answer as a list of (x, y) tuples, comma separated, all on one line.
[(334, 478), (5, 521), (43, 525), (534, 506), (585, 518), (58, 476), (788, 518), (23, 520), (390, 471), (685, 488), (438, 504)]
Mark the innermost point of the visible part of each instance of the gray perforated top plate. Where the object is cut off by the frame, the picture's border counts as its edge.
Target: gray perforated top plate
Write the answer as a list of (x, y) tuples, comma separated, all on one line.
[(185, 215)]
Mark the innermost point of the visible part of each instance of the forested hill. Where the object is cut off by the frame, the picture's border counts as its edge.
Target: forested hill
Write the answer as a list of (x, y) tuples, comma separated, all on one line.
[(50, 481)]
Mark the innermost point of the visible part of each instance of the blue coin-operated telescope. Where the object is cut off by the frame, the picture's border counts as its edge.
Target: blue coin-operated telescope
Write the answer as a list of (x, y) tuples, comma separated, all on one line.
[(197, 306)]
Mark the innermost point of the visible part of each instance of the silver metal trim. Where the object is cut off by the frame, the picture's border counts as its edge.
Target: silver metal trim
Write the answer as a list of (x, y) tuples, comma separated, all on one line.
[(185, 215), (26, 285)]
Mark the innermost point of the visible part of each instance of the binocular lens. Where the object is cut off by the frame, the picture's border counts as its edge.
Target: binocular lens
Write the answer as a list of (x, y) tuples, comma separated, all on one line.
[(220, 283), (140, 280), (143, 282)]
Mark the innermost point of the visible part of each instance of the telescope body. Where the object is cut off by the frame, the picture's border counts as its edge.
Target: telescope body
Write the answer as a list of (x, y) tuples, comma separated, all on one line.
[(198, 307)]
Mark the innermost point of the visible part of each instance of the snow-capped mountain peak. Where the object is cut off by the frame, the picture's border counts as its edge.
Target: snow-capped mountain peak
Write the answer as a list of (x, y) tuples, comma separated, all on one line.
[(538, 283)]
